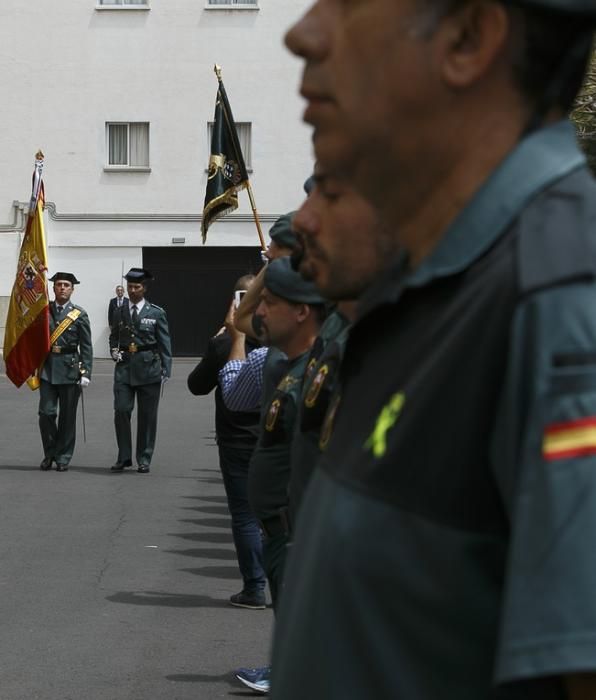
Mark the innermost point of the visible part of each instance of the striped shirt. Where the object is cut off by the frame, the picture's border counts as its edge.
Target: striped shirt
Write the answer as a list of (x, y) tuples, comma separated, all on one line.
[(241, 381)]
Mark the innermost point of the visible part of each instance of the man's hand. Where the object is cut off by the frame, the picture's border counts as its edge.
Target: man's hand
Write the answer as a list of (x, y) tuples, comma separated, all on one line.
[(84, 381), (116, 355), (233, 332)]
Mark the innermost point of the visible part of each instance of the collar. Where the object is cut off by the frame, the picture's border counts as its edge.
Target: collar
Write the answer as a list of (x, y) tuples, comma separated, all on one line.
[(538, 161), (139, 305)]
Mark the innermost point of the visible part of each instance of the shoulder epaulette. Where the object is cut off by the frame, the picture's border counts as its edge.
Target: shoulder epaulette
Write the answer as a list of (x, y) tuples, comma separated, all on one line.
[(557, 235)]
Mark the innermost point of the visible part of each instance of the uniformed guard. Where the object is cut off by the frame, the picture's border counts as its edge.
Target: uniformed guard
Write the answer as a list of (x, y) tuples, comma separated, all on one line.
[(444, 547), (140, 347), (291, 312), (66, 370)]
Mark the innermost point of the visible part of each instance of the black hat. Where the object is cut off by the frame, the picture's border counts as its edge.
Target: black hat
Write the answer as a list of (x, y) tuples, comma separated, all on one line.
[(309, 184), (582, 8), (138, 274), (66, 276), (284, 282), (281, 231)]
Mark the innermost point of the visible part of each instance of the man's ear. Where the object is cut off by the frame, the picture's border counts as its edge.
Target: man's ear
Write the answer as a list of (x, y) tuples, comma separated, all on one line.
[(302, 312), (472, 41)]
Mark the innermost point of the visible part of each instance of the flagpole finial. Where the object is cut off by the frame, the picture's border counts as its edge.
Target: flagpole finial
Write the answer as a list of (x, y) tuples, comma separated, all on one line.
[(217, 70), (39, 155)]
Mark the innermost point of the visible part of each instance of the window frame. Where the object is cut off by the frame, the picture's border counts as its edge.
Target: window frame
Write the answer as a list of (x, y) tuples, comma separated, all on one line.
[(124, 5), (115, 167), (247, 161), (240, 5)]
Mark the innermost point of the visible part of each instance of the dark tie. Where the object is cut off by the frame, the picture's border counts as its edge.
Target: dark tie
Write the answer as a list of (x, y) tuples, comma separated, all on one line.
[(119, 302), (135, 315), (59, 309)]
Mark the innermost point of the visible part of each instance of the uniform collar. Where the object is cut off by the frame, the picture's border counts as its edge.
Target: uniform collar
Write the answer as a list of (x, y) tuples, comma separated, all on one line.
[(538, 161)]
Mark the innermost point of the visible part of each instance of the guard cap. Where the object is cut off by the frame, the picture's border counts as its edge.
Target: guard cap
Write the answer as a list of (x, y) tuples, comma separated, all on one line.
[(64, 276), (281, 231), (582, 8), (138, 274), (285, 282)]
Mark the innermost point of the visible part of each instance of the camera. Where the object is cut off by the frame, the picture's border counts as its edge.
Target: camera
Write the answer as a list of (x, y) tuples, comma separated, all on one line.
[(238, 294)]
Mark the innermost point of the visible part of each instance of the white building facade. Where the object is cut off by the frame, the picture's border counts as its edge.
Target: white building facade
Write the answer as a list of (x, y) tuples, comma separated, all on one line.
[(119, 95)]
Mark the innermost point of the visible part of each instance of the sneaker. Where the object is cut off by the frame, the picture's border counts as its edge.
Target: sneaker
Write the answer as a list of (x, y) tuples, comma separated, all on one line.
[(256, 679), (252, 601)]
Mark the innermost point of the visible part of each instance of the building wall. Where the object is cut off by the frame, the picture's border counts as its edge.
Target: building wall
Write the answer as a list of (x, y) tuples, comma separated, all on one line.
[(67, 70)]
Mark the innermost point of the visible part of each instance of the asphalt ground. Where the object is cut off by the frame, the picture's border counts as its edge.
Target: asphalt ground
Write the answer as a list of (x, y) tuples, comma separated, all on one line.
[(116, 586)]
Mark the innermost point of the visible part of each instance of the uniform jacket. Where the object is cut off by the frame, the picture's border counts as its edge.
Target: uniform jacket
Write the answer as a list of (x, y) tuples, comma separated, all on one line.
[(113, 309), (145, 366), (76, 351)]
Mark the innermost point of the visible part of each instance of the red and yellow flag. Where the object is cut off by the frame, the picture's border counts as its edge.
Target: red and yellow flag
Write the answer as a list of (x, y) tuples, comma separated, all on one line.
[(27, 333), (573, 438)]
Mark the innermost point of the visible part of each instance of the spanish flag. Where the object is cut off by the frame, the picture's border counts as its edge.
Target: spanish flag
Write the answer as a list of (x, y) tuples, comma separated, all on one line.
[(27, 333), (573, 438)]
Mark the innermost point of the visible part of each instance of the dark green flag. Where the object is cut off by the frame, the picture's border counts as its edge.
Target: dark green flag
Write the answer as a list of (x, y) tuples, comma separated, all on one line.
[(227, 171)]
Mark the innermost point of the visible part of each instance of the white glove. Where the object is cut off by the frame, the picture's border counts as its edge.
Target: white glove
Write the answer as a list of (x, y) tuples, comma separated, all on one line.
[(84, 381), (116, 355), (164, 378), (264, 258)]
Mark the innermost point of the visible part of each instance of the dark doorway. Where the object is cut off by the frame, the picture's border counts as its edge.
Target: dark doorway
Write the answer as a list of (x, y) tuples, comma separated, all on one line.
[(194, 286)]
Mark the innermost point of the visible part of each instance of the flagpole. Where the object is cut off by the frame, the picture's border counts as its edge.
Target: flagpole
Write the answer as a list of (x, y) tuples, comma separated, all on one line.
[(253, 206)]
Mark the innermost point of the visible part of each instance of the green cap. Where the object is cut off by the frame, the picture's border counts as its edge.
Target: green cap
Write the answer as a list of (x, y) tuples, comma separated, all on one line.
[(284, 282), (584, 8), (281, 231), (65, 277)]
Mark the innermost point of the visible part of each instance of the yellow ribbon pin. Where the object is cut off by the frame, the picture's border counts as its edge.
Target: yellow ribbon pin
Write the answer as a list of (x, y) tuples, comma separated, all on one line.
[(377, 442)]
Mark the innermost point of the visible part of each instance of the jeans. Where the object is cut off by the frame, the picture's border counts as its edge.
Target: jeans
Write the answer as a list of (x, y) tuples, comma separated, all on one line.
[(233, 462)]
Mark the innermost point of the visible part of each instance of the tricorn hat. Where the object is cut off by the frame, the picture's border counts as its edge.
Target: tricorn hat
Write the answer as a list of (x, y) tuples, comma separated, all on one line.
[(67, 276), (283, 281), (138, 274), (281, 231)]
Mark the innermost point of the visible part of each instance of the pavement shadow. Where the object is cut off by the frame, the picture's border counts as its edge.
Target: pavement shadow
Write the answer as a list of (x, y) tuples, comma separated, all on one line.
[(209, 522), (209, 510), (168, 600), (9, 467), (213, 537), (205, 553), (229, 573), (207, 499)]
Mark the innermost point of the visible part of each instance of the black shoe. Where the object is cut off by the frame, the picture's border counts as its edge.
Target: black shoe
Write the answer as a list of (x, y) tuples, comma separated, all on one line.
[(46, 464), (119, 466), (62, 467), (251, 601), (143, 469)]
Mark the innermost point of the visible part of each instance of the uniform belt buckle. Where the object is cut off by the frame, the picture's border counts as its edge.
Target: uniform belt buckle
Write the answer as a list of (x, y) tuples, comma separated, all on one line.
[(132, 347), (57, 349)]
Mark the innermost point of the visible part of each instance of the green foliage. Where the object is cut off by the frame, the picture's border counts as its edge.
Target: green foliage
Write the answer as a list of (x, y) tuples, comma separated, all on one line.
[(584, 115)]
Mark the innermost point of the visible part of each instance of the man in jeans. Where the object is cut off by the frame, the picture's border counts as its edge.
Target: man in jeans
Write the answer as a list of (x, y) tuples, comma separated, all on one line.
[(236, 434)]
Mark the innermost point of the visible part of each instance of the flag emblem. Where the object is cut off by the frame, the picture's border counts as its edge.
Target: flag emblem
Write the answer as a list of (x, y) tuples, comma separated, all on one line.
[(573, 438)]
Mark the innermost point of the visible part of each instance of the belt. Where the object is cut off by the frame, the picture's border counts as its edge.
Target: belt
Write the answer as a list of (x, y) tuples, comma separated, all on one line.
[(276, 525), (133, 347), (64, 349)]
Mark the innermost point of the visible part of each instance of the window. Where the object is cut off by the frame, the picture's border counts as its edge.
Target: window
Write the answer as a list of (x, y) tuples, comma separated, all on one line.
[(127, 144), (244, 4), (243, 129), (122, 5), (123, 2)]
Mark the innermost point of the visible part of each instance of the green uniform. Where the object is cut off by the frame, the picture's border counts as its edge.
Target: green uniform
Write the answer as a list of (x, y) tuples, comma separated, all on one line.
[(70, 356), (319, 383), (269, 471), (146, 361), (444, 548)]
